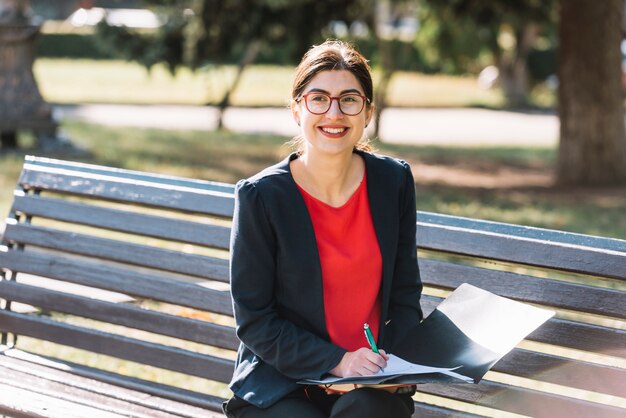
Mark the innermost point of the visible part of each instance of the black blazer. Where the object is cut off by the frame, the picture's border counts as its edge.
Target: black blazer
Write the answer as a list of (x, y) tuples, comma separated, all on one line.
[(276, 277)]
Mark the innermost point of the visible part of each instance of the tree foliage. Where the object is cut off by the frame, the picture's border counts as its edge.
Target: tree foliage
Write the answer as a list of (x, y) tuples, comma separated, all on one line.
[(465, 35), (197, 32), (200, 33)]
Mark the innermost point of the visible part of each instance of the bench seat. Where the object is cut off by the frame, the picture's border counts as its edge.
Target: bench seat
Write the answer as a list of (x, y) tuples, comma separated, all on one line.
[(132, 268)]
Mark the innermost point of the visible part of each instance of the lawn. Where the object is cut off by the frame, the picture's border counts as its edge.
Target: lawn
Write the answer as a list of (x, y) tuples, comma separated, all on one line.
[(502, 184), (89, 81)]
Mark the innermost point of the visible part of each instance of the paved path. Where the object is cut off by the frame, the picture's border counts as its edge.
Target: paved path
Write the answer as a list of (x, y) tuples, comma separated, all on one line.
[(458, 126)]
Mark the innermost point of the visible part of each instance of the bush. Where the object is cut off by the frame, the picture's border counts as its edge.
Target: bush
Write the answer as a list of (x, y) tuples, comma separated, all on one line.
[(72, 45), (541, 64)]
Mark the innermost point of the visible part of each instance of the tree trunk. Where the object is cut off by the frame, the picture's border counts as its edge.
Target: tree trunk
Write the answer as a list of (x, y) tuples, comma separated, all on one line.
[(592, 147), (21, 104), (385, 48), (513, 71), (252, 50)]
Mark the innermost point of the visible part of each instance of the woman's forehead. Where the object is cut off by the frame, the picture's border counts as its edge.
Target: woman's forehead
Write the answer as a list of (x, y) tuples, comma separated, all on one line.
[(334, 82)]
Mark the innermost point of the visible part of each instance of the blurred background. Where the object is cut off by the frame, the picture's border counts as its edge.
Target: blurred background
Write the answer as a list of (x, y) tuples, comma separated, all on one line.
[(508, 111)]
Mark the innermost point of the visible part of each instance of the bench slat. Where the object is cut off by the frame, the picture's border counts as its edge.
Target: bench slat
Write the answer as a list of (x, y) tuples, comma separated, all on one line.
[(191, 264), (178, 230), (431, 411), (557, 294), (122, 314), (555, 255), (40, 163), (521, 231), (92, 403), (592, 338), (43, 406), (556, 331), (153, 354), (189, 200), (62, 370), (118, 280), (522, 401), (562, 371)]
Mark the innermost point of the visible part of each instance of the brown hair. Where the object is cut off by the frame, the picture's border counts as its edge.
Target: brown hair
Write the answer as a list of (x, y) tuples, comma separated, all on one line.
[(329, 56)]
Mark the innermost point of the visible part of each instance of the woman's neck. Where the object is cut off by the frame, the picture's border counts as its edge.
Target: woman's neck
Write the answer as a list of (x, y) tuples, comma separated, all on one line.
[(331, 179)]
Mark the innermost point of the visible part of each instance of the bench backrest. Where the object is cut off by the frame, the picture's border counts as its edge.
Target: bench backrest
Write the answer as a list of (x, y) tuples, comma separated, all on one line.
[(160, 243)]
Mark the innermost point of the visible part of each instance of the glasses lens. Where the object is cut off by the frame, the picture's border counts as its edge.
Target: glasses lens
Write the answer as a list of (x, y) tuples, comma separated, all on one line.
[(318, 103), (351, 104)]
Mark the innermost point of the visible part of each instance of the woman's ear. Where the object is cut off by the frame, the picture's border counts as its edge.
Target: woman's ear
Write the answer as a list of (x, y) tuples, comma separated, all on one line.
[(295, 111), (369, 114)]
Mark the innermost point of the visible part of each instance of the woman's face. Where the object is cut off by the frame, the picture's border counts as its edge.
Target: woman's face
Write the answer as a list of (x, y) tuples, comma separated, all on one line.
[(332, 132)]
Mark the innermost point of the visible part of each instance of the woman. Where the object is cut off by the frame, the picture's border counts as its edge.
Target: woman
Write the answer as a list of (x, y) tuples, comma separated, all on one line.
[(321, 244)]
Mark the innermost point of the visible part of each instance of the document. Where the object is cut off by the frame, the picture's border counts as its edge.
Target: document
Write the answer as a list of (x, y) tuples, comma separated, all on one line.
[(458, 342), (396, 367)]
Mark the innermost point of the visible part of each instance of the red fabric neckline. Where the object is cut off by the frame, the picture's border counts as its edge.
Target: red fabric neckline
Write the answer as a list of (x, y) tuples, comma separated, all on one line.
[(351, 266)]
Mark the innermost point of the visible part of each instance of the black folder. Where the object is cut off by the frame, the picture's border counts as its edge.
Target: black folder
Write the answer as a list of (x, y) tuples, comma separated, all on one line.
[(458, 342)]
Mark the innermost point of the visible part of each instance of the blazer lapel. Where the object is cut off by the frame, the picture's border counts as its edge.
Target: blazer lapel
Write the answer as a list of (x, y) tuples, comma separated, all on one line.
[(380, 199), (313, 268)]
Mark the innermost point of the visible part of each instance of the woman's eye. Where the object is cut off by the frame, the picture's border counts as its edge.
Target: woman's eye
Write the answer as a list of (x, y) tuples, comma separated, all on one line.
[(319, 98), (348, 99)]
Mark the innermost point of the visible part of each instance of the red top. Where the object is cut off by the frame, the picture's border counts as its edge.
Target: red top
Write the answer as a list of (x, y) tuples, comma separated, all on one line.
[(351, 266)]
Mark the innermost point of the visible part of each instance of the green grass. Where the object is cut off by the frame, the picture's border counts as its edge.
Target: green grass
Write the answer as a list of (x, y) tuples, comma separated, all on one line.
[(227, 157), (89, 81)]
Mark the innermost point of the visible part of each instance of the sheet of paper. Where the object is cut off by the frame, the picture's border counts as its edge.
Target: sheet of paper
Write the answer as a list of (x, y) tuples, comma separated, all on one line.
[(395, 367), (494, 322)]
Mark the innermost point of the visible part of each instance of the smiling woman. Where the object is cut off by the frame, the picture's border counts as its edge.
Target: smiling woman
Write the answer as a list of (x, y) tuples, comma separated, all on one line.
[(326, 126), (322, 243), (333, 65)]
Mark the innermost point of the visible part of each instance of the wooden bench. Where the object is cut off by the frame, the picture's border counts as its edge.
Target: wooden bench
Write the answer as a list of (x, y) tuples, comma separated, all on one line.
[(127, 265)]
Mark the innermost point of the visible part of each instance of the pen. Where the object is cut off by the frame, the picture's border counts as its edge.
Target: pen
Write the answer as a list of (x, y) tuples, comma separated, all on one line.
[(370, 338)]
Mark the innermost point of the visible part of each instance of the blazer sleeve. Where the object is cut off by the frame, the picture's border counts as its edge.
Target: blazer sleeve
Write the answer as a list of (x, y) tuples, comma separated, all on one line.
[(290, 349), (404, 305)]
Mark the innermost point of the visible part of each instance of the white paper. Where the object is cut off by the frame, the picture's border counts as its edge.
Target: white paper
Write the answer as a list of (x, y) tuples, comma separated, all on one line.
[(398, 366), (395, 367), (494, 322)]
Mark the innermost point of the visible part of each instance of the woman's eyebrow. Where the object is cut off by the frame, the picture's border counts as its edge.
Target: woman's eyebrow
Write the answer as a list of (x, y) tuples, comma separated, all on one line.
[(317, 90), (350, 91)]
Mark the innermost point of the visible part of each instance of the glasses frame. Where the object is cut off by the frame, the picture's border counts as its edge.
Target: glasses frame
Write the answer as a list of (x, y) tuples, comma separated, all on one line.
[(304, 96)]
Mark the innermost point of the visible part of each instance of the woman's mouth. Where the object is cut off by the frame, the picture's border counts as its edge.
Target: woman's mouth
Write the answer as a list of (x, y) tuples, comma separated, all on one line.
[(334, 132)]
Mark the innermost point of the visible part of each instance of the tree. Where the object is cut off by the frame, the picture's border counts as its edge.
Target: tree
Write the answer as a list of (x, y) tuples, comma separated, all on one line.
[(592, 146), (506, 30), (390, 47), (218, 32), (21, 104)]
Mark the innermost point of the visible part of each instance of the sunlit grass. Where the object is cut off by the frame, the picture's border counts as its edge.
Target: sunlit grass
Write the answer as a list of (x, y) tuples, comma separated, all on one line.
[(421, 90), (89, 81)]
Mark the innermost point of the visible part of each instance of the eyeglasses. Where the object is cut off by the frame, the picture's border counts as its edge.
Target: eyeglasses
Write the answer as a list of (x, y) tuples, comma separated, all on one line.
[(350, 104)]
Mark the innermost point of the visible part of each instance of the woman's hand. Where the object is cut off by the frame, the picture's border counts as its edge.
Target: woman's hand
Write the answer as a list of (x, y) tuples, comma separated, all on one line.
[(362, 362)]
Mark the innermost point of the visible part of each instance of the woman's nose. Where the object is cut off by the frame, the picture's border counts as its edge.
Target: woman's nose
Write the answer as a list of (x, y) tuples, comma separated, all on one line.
[(335, 110)]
